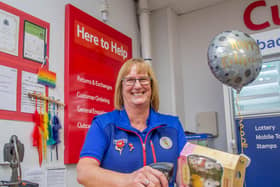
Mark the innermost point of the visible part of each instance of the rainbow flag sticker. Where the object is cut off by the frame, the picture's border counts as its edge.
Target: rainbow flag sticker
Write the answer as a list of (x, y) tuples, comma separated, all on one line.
[(47, 78)]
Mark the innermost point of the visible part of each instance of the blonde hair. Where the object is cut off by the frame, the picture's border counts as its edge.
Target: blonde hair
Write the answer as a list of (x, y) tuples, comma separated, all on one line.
[(142, 67)]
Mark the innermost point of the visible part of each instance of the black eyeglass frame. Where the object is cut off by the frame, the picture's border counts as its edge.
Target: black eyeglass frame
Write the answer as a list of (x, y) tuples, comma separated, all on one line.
[(149, 80)]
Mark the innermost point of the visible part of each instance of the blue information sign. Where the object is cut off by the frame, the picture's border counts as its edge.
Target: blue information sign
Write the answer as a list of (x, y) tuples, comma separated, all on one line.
[(263, 138)]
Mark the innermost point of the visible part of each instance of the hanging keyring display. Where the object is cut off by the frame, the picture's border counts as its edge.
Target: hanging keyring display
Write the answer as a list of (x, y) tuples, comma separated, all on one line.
[(46, 127)]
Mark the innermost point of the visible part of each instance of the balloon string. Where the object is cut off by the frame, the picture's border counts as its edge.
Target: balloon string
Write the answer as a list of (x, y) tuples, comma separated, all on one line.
[(241, 125)]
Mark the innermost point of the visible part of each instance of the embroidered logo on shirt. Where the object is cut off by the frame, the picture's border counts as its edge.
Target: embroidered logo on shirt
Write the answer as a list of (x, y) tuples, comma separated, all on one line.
[(165, 142), (119, 144)]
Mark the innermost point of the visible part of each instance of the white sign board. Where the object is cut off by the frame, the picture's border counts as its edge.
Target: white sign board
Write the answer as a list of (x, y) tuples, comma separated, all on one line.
[(269, 41)]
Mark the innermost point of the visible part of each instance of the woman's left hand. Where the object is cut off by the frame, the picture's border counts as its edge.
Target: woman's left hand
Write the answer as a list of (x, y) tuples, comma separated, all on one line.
[(149, 177)]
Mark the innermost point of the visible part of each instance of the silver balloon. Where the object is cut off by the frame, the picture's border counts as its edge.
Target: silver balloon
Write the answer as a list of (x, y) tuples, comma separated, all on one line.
[(234, 58)]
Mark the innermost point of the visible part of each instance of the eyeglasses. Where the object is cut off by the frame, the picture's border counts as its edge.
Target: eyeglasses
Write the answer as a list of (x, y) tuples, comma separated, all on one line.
[(130, 81)]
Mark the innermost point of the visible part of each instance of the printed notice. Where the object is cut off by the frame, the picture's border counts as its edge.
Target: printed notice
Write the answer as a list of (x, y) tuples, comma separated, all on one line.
[(35, 175), (267, 137), (9, 31), (34, 42), (30, 85), (8, 88), (56, 177)]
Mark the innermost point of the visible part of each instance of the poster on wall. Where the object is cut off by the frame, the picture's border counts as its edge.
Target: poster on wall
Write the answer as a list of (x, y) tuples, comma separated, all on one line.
[(23, 43), (9, 33), (8, 88), (30, 85), (34, 42), (94, 53)]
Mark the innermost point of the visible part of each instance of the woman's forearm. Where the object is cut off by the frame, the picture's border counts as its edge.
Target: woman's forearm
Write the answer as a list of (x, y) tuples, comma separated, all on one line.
[(91, 175)]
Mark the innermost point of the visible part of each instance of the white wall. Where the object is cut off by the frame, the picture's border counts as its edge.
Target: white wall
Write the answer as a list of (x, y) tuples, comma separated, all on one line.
[(166, 62), (122, 16)]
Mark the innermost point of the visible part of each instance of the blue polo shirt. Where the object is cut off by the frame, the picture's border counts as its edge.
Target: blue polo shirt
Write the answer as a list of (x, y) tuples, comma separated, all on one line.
[(120, 147)]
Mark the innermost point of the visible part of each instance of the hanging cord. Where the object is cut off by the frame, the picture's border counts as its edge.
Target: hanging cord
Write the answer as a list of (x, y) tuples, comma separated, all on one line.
[(241, 125), (243, 141)]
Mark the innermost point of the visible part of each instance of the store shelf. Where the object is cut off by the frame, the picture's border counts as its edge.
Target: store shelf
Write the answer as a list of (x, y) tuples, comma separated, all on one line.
[(203, 136), (199, 138)]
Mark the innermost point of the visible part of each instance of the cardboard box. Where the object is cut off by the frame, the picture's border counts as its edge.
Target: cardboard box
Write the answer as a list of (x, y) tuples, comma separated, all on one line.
[(200, 166)]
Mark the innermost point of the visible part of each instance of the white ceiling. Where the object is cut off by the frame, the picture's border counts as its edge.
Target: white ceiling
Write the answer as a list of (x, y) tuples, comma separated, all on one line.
[(182, 6)]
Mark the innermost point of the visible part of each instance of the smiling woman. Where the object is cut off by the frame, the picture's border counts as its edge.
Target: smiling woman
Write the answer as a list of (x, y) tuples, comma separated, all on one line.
[(122, 144)]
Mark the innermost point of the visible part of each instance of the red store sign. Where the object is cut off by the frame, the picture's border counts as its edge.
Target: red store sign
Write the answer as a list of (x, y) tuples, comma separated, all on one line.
[(274, 11), (94, 53)]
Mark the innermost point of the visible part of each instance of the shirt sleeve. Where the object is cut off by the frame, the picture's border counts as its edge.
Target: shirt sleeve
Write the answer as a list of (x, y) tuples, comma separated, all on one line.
[(96, 141)]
